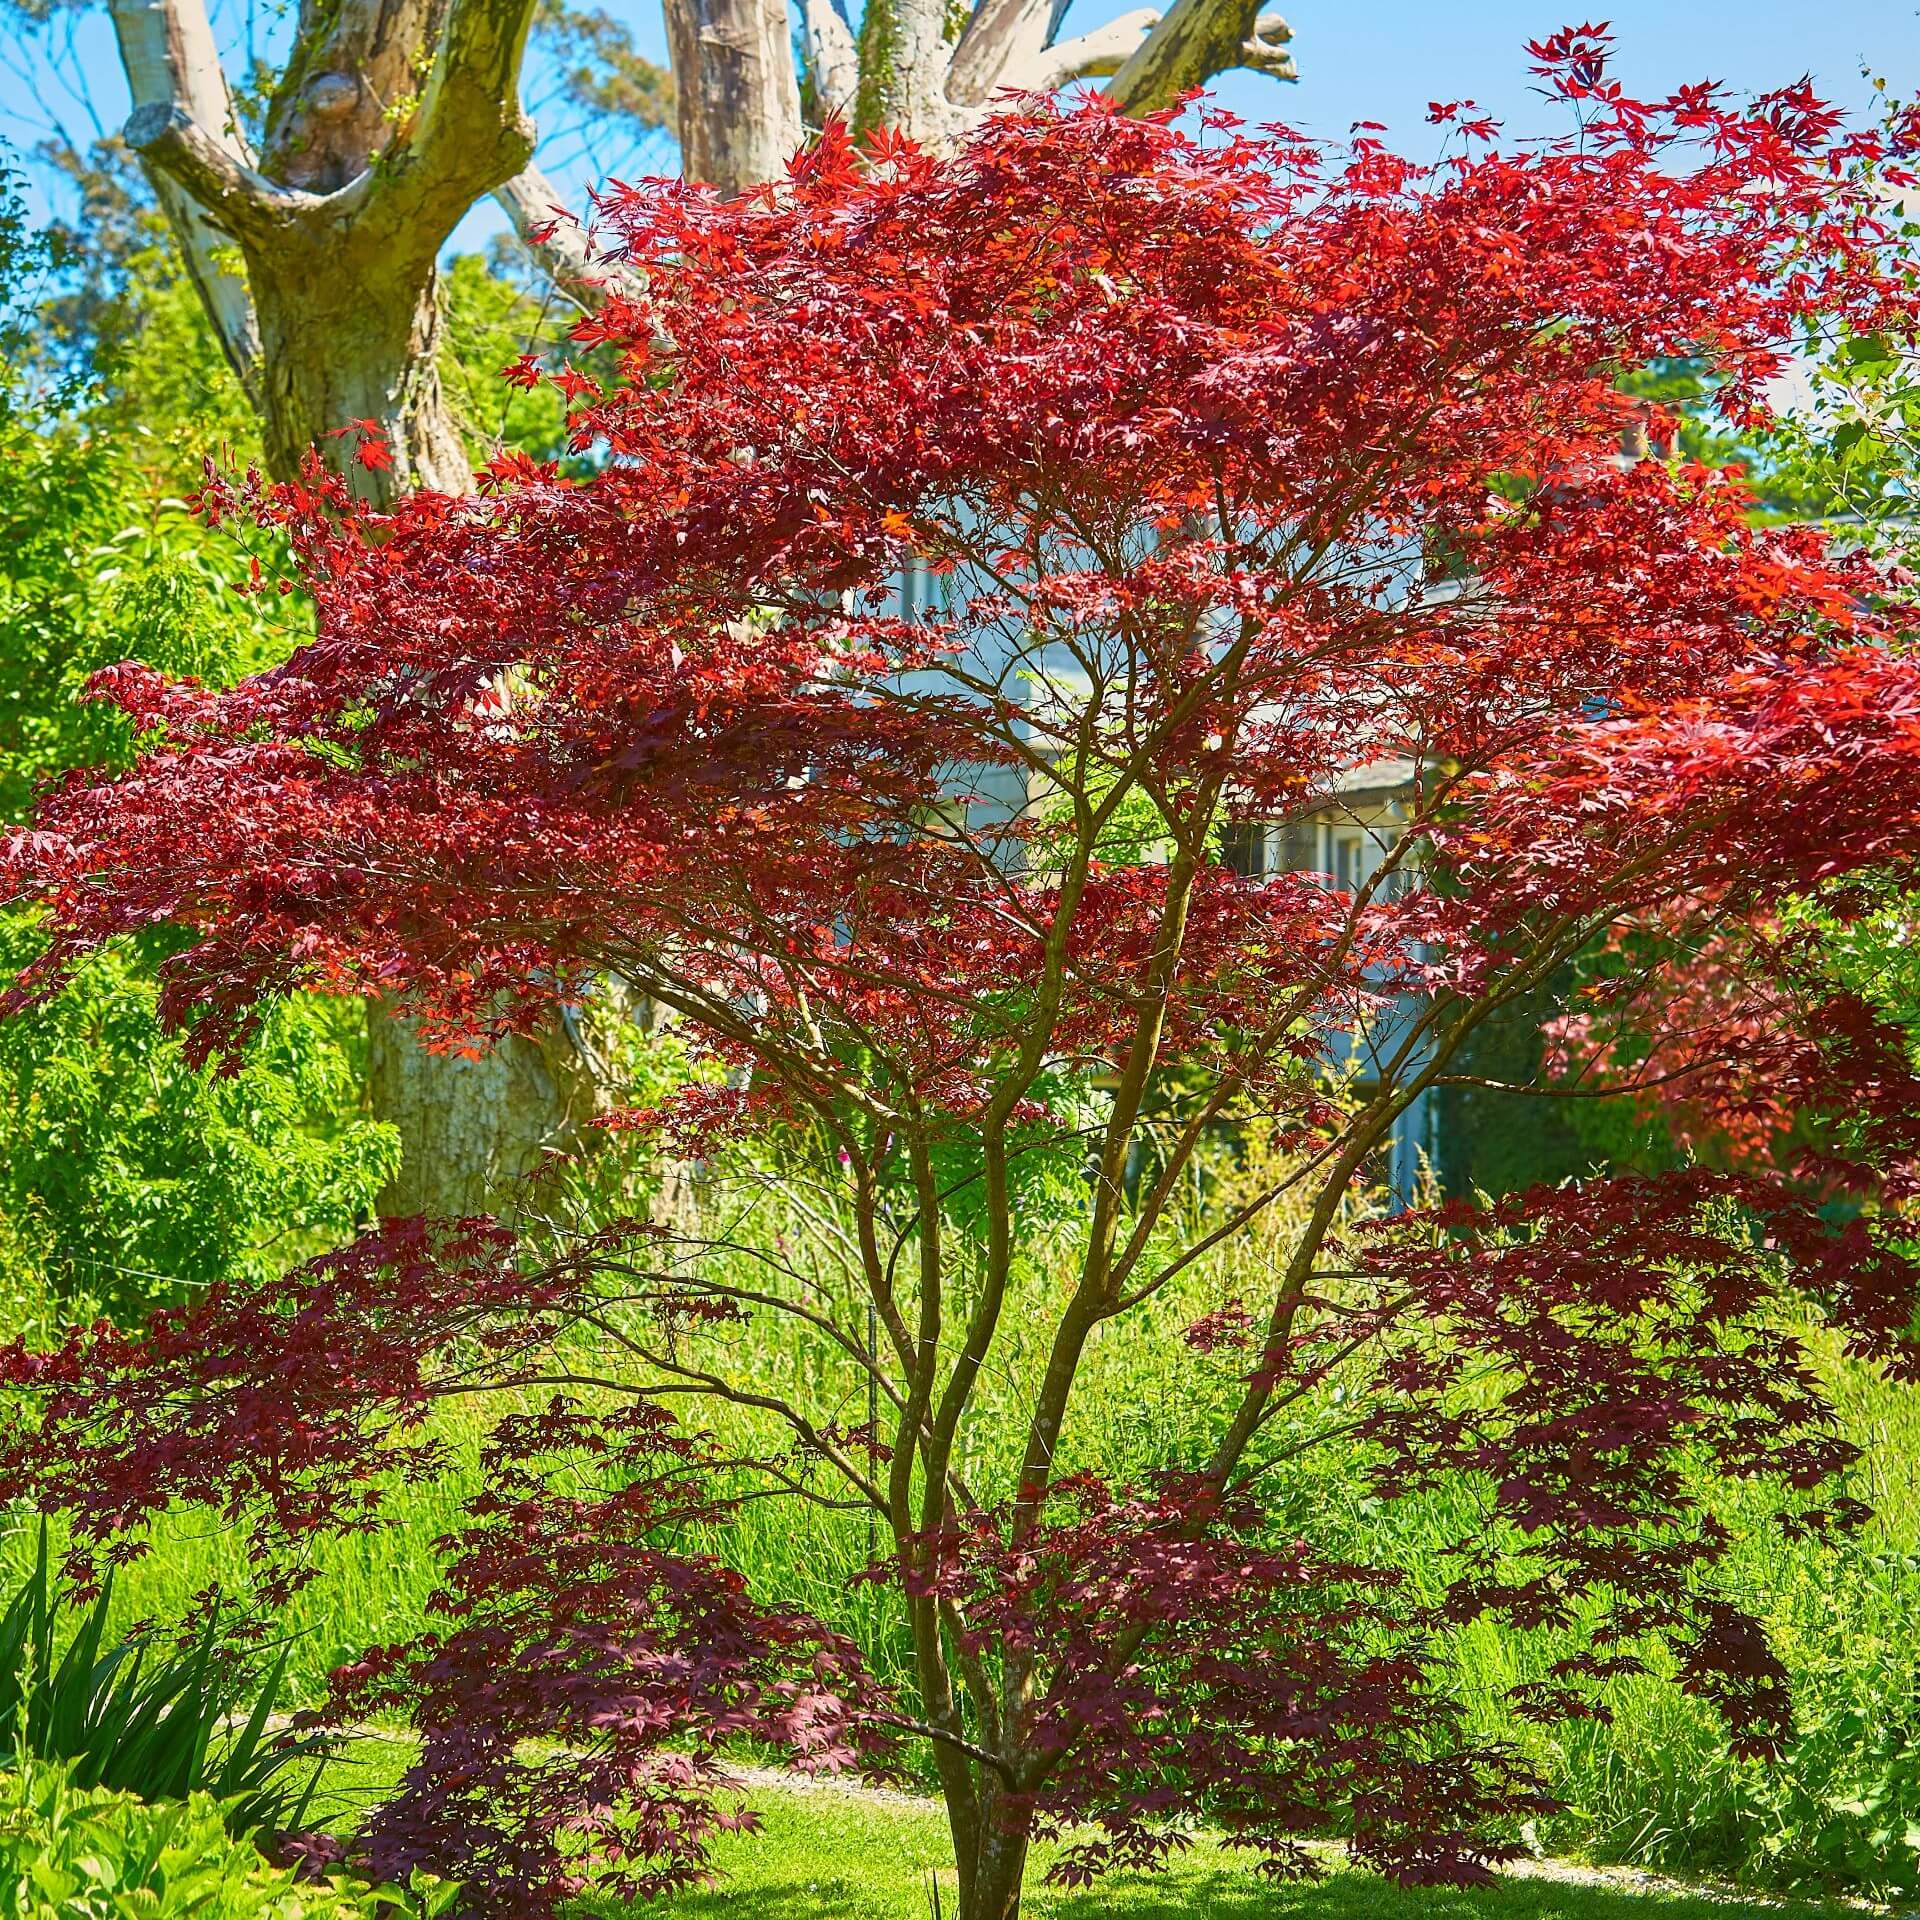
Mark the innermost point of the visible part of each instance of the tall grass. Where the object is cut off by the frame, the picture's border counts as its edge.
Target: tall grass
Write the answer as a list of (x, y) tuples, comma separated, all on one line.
[(1841, 1810), (369, 1588)]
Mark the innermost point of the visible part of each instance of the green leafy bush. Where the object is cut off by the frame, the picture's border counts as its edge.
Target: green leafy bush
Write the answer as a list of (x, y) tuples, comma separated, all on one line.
[(69, 1852), (126, 1175), (1840, 1813), (1843, 1812)]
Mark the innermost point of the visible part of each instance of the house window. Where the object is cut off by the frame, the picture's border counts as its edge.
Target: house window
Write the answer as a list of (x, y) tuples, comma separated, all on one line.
[(1243, 847), (924, 592), (1349, 859)]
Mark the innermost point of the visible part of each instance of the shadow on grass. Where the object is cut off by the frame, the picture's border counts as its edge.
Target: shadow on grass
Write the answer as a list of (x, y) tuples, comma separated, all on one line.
[(1227, 1895), (826, 1855)]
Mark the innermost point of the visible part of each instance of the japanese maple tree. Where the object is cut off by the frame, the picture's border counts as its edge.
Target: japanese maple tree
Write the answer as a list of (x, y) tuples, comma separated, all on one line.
[(1236, 467)]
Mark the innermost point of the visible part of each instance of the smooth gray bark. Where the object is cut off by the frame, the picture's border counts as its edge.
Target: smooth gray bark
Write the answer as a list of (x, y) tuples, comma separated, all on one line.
[(168, 54), (738, 97)]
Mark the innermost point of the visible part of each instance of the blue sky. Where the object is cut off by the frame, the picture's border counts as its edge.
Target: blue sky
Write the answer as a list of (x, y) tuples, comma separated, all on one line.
[(1381, 61), (1386, 61)]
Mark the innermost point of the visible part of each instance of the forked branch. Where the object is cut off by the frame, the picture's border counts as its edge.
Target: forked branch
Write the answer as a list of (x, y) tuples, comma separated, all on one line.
[(471, 134), (231, 194), (1195, 40)]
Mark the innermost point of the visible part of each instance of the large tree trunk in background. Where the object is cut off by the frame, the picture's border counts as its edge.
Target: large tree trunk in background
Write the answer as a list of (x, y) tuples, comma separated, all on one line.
[(168, 54), (354, 339), (470, 1129), (340, 221), (738, 100), (348, 343)]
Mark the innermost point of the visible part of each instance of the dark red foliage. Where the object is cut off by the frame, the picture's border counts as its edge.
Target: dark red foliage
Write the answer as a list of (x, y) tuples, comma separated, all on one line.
[(1182, 1668), (1738, 1037), (1244, 474), (1578, 1358), (572, 1712), (292, 1404)]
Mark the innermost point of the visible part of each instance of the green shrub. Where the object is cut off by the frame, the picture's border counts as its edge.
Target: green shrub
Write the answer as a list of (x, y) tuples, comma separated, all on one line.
[(127, 1176), (1842, 1812), (69, 1852), (129, 1179)]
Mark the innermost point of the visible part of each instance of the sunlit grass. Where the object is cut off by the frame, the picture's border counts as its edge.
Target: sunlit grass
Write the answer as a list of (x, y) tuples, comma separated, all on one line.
[(831, 1856), (825, 1854)]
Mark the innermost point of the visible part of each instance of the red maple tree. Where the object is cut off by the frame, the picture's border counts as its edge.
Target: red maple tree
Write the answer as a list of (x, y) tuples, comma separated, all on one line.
[(1236, 467)]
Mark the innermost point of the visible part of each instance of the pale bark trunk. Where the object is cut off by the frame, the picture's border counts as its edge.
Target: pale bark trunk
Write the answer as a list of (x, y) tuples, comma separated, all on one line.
[(335, 326), (833, 60), (472, 1130), (904, 58), (738, 95), (1001, 36), (352, 345), (342, 344)]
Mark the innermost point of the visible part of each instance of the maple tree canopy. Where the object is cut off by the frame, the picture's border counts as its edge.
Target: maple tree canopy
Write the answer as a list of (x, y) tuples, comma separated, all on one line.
[(1224, 471)]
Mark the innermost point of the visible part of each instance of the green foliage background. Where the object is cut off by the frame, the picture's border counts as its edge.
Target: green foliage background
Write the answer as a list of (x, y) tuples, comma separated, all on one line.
[(127, 1177)]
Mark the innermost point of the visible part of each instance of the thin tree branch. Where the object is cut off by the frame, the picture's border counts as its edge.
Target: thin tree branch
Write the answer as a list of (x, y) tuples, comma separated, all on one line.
[(559, 242), (1100, 51), (168, 54), (833, 60)]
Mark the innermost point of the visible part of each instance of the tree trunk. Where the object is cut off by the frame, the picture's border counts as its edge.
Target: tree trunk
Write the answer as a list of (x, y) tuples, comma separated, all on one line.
[(168, 55), (341, 343), (991, 1873), (347, 338), (470, 1129), (738, 96), (390, 117)]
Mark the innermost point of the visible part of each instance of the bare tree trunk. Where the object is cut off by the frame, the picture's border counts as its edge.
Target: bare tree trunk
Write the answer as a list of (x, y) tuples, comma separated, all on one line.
[(349, 340), (169, 57), (738, 97), (343, 342), (335, 324), (991, 1874), (471, 1129), (905, 54)]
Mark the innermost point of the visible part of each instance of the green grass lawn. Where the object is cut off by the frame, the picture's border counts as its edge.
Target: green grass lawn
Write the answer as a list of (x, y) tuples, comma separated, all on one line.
[(830, 1856), (826, 1855)]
